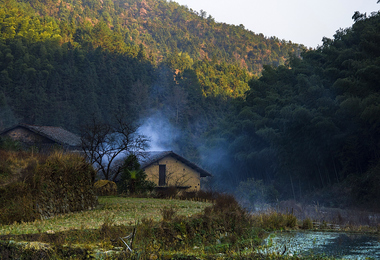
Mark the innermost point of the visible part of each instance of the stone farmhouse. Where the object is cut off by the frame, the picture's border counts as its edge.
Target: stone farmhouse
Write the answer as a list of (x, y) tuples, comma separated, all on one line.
[(44, 138), (164, 168)]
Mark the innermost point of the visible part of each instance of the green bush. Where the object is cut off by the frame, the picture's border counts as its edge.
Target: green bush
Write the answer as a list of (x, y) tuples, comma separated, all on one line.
[(221, 227), (8, 144), (105, 188), (275, 221), (17, 203), (307, 223), (168, 213), (133, 178)]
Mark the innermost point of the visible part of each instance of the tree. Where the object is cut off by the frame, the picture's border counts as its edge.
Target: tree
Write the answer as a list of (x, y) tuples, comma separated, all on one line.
[(178, 101), (256, 192), (202, 14), (103, 144), (359, 16), (133, 178)]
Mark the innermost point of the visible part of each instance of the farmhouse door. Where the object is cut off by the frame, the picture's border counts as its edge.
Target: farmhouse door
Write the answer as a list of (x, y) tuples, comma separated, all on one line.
[(162, 175)]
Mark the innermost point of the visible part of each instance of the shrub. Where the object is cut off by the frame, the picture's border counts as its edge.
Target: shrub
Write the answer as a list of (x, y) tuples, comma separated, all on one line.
[(200, 195), (223, 223), (166, 192), (133, 178), (18, 204), (275, 221), (17, 195), (43, 186), (307, 223), (9, 144), (168, 213), (105, 188), (65, 184)]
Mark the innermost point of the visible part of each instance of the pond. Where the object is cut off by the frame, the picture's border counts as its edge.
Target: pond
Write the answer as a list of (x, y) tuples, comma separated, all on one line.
[(334, 244)]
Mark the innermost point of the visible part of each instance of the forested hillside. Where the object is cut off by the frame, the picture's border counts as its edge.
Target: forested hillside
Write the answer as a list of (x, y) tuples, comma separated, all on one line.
[(312, 124), (162, 27), (296, 127), (62, 63), (58, 58)]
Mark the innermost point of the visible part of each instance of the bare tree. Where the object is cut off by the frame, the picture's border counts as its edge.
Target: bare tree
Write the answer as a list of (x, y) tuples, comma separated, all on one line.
[(178, 179), (103, 144)]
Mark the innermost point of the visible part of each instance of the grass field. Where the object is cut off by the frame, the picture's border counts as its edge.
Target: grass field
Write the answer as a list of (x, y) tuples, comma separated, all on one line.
[(167, 229), (118, 210)]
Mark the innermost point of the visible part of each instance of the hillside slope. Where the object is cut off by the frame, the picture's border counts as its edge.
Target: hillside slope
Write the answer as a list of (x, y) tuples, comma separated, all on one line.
[(165, 27), (62, 63), (311, 127)]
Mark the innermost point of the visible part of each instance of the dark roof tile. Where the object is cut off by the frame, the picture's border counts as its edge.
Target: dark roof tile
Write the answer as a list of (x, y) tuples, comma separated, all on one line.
[(148, 158), (56, 134)]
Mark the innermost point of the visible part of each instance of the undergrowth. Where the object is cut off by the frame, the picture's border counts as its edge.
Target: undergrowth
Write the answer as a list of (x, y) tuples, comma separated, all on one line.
[(225, 228), (37, 185)]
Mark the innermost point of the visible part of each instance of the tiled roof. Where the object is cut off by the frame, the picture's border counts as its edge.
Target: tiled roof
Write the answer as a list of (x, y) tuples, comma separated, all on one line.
[(56, 134), (148, 158)]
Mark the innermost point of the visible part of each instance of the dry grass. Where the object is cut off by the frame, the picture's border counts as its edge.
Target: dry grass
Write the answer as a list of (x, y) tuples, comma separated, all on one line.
[(122, 211), (341, 219), (37, 185), (13, 165), (167, 229)]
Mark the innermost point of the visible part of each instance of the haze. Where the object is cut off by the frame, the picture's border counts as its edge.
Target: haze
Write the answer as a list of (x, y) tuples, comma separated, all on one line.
[(299, 21)]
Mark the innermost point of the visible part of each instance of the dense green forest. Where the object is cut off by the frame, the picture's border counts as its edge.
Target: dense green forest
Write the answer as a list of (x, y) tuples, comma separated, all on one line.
[(162, 27), (58, 58), (250, 109), (64, 62), (312, 124)]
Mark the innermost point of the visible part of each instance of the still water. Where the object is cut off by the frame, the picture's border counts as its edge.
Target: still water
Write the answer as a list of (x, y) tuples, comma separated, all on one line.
[(334, 244)]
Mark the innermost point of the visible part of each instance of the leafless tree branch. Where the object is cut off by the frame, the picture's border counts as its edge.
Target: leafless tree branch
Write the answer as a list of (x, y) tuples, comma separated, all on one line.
[(103, 143)]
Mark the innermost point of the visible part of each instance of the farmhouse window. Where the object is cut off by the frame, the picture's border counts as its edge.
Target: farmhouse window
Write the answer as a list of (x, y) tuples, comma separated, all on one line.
[(162, 175)]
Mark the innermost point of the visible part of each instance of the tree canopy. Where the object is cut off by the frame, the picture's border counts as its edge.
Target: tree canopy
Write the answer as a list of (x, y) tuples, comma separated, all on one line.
[(311, 123), (249, 108)]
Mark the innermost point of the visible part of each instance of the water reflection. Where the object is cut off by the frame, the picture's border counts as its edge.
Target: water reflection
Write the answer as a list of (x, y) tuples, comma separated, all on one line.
[(336, 244)]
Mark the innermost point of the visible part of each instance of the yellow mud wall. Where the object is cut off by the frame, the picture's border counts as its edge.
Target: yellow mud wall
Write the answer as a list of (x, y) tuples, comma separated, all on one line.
[(177, 174)]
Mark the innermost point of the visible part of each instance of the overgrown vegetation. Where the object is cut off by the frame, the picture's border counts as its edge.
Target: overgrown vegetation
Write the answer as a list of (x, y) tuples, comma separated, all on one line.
[(8, 144), (80, 48), (35, 186), (206, 231), (61, 63), (310, 128), (102, 144), (165, 229), (133, 178), (305, 128)]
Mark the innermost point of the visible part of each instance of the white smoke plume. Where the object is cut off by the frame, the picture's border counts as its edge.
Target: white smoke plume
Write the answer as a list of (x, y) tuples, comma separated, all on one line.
[(160, 132)]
